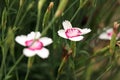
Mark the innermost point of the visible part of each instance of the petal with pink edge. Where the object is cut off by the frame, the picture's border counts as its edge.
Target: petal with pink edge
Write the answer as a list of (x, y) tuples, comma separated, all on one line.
[(78, 38), (61, 33), (21, 39), (29, 53), (66, 24), (46, 41), (104, 36), (43, 53)]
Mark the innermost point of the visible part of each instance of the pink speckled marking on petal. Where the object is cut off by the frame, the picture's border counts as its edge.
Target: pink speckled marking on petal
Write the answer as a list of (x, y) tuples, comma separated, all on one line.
[(34, 44), (72, 32), (109, 34)]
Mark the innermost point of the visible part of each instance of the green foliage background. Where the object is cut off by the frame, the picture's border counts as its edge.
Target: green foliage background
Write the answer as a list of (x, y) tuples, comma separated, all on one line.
[(93, 60)]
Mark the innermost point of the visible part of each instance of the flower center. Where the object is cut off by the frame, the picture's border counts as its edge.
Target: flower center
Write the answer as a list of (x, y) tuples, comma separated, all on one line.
[(109, 34), (72, 32), (34, 44)]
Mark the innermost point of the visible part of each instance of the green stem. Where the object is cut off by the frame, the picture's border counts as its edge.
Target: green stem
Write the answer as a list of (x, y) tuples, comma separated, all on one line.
[(75, 14), (70, 6), (12, 2), (73, 67), (27, 74), (16, 72), (61, 65), (103, 50), (40, 5), (13, 67), (18, 15), (29, 65), (112, 44), (49, 25), (28, 8), (3, 66), (57, 77), (89, 70), (109, 68), (63, 62), (74, 73), (73, 46)]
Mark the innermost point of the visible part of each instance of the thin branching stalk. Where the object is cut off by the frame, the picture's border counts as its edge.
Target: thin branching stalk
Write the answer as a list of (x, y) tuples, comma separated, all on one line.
[(40, 5), (29, 66), (14, 66)]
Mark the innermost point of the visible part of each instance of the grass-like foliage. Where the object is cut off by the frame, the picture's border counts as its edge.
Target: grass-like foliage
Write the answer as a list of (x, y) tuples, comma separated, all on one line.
[(44, 40)]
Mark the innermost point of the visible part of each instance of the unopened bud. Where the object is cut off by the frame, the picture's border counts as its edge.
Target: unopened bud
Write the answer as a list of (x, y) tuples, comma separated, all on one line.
[(21, 2), (50, 6), (61, 7), (115, 27)]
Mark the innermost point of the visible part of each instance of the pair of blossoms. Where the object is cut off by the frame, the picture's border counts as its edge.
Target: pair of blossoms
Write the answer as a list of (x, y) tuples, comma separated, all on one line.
[(35, 44)]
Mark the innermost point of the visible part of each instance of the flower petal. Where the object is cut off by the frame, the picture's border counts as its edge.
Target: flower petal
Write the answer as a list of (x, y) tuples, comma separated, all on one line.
[(118, 35), (21, 39), (66, 24), (33, 35), (29, 53), (43, 53), (104, 36), (85, 31), (109, 30), (46, 41), (61, 33), (78, 38)]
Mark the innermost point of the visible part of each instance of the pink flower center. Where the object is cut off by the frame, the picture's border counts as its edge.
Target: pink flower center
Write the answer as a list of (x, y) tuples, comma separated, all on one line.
[(34, 44), (72, 32), (109, 34)]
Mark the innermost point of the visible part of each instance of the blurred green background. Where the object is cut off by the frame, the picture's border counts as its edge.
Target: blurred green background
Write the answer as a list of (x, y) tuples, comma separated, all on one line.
[(93, 60)]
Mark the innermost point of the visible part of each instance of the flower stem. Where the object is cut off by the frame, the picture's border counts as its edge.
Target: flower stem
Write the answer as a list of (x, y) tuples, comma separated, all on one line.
[(61, 65), (29, 65), (47, 15), (40, 5), (75, 14), (13, 67), (16, 72), (58, 13), (65, 58), (49, 25), (73, 46), (2, 69), (27, 74), (82, 3), (25, 13), (18, 14), (103, 50)]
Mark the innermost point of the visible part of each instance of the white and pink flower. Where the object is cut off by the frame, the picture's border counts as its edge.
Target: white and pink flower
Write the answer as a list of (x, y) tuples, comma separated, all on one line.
[(73, 34), (34, 44), (107, 35)]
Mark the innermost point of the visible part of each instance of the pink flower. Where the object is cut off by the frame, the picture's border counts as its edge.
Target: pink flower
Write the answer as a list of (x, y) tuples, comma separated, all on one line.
[(34, 44), (108, 34), (73, 34)]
